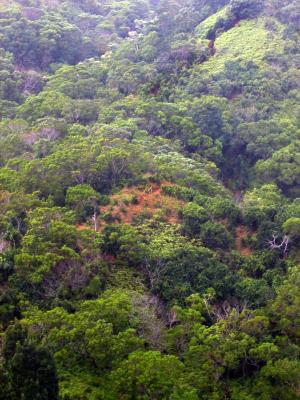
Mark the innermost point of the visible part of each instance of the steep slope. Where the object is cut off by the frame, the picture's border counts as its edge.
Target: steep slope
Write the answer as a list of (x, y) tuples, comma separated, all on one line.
[(149, 190)]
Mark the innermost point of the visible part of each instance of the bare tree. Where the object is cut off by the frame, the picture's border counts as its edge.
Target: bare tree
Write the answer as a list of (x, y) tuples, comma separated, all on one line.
[(154, 272), (226, 309), (276, 244), (151, 327), (4, 244)]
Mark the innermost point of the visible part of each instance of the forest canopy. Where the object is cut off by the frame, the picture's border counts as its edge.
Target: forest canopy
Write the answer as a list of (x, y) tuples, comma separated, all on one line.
[(149, 200)]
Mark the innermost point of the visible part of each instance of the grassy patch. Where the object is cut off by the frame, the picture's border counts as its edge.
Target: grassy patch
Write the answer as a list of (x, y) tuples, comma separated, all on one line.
[(248, 41)]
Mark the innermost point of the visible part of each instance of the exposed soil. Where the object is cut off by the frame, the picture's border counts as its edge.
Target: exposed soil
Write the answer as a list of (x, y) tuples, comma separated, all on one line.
[(148, 200), (242, 233), (82, 227), (133, 202)]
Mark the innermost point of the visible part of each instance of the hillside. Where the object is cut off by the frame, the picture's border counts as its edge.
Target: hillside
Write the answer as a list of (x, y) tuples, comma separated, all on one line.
[(150, 200)]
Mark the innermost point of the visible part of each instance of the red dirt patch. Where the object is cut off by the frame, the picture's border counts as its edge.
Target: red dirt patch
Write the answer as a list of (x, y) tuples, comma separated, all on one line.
[(132, 202), (242, 233)]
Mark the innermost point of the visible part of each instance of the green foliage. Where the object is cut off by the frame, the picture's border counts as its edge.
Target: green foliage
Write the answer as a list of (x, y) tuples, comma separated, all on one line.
[(149, 199), (84, 200), (244, 9), (292, 227), (31, 369), (240, 44), (193, 217), (215, 236), (283, 168), (147, 376)]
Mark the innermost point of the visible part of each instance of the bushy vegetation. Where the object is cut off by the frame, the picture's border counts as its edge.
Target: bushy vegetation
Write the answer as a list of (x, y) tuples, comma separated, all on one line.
[(149, 200)]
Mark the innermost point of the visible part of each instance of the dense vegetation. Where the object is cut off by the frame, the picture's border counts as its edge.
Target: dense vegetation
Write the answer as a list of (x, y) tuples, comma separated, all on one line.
[(150, 200)]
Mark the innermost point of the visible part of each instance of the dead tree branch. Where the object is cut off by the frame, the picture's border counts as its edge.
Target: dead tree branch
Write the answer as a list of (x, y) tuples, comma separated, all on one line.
[(276, 244)]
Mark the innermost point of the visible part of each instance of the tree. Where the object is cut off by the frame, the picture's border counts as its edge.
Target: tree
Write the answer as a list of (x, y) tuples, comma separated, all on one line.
[(244, 9), (193, 216), (33, 374), (215, 236), (85, 201), (283, 168), (147, 375), (183, 267), (31, 369), (254, 291), (291, 227), (125, 243), (208, 114), (285, 373), (9, 80)]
